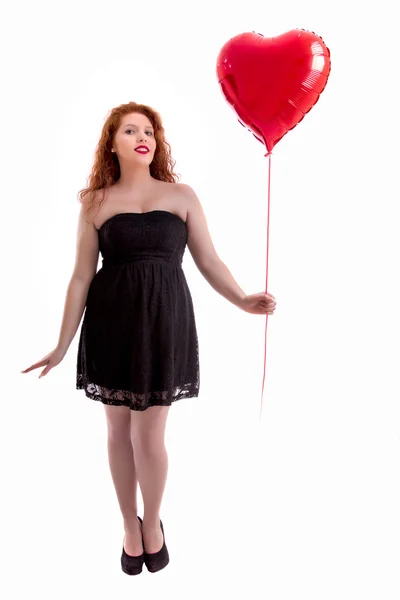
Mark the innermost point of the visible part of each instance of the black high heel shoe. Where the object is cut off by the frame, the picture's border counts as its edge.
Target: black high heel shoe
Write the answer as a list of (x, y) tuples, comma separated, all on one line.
[(157, 560), (132, 565)]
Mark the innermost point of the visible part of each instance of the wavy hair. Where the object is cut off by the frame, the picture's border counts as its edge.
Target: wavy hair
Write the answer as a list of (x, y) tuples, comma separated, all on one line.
[(106, 169)]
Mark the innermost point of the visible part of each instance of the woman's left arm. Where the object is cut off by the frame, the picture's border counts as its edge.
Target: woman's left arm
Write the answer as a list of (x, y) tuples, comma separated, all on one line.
[(213, 269)]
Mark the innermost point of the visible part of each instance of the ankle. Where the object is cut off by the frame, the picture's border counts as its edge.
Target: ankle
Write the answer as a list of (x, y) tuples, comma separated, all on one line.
[(131, 521), (151, 522)]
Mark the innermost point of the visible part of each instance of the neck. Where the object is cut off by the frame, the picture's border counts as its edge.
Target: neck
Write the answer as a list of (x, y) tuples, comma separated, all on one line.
[(132, 179)]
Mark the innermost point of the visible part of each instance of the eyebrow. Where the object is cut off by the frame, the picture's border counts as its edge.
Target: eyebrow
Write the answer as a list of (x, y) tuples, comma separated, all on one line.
[(132, 125)]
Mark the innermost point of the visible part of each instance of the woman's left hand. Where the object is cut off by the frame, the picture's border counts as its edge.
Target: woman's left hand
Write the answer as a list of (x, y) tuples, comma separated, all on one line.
[(259, 304)]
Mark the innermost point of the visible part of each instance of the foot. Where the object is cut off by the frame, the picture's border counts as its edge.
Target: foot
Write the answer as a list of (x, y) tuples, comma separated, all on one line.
[(152, 537), (133, 539)]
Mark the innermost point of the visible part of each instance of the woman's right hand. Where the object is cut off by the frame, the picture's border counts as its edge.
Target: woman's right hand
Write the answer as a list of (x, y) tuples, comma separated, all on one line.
[(52, 359)]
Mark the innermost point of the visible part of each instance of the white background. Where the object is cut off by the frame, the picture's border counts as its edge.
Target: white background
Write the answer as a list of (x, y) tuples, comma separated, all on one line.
[(305, 502)]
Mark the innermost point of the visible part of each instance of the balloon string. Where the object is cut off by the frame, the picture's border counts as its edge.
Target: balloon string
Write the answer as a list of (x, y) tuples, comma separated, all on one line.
[(269, 154)]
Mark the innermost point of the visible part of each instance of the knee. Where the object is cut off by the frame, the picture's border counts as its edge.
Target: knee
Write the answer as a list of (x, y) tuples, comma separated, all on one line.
[(118, 433), (148, 446)]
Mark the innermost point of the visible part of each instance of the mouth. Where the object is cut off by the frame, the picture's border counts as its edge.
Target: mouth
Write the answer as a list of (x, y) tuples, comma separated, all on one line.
[(142, 149)]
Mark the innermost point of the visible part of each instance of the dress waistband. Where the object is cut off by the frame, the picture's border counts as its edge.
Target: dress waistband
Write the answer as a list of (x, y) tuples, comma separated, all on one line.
[(112, 262)]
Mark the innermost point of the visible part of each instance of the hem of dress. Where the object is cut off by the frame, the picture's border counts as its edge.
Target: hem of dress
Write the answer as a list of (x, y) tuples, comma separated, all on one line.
[(109, 402)]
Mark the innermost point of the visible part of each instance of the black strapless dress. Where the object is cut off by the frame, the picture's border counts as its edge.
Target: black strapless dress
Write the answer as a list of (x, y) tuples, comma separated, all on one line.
[(138, 344)]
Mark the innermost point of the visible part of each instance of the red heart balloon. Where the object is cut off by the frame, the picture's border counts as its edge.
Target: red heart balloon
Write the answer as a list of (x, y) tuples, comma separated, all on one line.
[(271, 83)]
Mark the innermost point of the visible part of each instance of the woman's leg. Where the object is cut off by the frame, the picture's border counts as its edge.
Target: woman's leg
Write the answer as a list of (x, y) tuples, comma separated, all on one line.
[(151, 461), (123, 472)]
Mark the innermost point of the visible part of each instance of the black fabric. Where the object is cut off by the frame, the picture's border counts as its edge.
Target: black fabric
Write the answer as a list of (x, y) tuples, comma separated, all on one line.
[(156, 561), (138, 344)]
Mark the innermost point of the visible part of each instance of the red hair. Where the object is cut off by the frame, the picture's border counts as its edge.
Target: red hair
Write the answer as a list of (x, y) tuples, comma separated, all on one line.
[(106, 170)]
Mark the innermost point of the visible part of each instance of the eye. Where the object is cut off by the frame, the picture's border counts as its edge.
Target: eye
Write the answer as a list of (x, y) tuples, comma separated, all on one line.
[(149, 132)]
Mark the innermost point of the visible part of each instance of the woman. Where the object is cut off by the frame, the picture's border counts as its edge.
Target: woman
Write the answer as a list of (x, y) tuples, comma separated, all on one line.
[(138, 346)]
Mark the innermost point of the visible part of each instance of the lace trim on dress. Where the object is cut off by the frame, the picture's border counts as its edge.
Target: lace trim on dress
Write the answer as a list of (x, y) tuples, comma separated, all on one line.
[(133, 400)]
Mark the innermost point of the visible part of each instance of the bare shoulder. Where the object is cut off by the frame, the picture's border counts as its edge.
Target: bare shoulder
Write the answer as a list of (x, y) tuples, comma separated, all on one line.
[(185, 189), (88, 206), (173, 187), (191, 200)]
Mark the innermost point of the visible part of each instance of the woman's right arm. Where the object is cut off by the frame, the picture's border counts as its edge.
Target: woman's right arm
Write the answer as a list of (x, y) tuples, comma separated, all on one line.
[(86, 260), (87, 256)]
